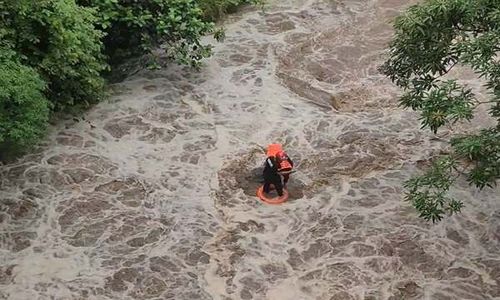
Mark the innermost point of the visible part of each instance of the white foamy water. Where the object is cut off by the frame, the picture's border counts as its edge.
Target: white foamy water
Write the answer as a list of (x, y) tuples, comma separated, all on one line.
[(152, 195)]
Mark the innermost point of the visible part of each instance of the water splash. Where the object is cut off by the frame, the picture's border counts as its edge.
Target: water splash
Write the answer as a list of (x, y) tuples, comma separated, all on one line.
[(152, 195)]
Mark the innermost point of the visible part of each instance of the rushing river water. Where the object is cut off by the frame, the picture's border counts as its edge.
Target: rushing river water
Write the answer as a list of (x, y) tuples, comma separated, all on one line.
[(152, 195)]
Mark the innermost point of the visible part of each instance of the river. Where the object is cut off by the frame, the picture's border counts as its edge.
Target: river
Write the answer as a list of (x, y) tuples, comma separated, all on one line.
[(152, 195)]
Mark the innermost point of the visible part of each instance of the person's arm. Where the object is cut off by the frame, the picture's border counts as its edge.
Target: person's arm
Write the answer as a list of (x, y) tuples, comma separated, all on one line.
[(290, 161), (270, 165)]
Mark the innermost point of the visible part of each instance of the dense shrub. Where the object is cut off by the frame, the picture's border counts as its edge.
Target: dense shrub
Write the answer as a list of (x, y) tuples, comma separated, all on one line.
[(24, 110), (58, 39), (136, 27)]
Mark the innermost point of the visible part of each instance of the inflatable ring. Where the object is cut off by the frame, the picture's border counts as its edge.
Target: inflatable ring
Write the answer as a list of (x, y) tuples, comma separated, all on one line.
[(275, 200)]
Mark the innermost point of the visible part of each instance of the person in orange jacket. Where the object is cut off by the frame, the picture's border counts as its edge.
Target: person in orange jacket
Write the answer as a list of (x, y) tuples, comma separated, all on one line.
[(276, 166)]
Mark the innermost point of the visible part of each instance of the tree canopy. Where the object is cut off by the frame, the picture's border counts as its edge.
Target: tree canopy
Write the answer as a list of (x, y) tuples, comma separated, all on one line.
[(431, 39)]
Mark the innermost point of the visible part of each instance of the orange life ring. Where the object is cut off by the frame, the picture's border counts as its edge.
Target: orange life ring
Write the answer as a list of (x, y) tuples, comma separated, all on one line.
[(275, 200)]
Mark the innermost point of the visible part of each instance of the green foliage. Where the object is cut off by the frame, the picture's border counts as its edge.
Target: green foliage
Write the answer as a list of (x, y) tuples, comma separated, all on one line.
[(217, 9), (58, 39), (431, 38), (24, 110), (138, 27), (483, 152)]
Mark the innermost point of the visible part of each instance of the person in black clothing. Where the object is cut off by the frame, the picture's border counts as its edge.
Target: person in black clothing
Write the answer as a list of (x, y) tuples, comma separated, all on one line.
[(274, 168)]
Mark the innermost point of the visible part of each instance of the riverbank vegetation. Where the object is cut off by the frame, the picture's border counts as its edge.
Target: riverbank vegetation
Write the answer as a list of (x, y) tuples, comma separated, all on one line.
[(54, 54), (431, 39)]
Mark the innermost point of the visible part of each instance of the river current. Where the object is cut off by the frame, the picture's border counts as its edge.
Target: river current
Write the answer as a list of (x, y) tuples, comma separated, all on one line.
[(152, 194)]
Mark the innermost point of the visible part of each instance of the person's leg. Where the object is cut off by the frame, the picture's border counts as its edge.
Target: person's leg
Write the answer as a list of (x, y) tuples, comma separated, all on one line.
[(278, 185), (285, 179), (267, 186)]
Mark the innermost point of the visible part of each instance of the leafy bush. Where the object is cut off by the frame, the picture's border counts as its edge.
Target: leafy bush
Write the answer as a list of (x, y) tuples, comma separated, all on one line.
[(24, 110), (58, 39), (137, 27), (216, 9)]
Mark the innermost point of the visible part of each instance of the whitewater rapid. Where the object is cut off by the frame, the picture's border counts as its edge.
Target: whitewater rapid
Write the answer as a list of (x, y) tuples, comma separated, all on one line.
[(152, 194)]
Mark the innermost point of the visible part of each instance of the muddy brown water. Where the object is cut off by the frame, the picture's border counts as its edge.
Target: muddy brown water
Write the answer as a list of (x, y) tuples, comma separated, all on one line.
[(152, 195)]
